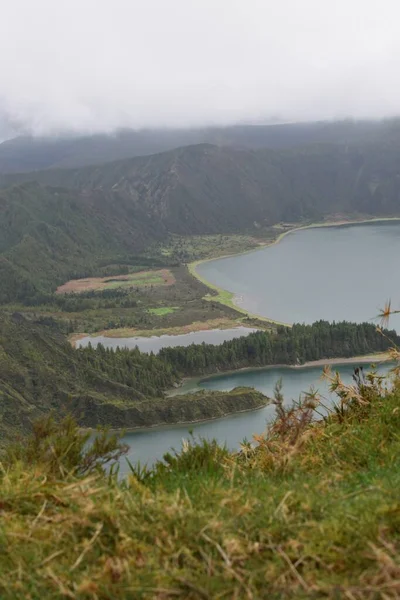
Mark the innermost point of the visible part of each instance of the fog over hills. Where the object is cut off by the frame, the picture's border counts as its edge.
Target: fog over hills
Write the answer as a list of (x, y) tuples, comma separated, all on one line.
[(27, 153)]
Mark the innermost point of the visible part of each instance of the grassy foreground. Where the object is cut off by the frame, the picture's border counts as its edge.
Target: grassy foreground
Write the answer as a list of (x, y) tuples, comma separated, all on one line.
[(307, 511)]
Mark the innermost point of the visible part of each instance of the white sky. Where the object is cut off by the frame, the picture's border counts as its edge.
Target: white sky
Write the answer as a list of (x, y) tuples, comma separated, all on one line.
[(95, 65)]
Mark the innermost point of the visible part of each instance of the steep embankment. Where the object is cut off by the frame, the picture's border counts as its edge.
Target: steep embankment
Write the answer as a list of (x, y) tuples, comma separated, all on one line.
[(187, 408)]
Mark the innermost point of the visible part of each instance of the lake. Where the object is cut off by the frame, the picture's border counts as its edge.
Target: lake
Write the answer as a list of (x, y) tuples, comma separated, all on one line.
[(334, 273), (155, 343), (149, 446), (331, 273)]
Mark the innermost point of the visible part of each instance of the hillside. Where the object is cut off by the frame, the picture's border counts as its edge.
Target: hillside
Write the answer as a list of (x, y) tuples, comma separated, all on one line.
[(307, 511), (26, 153), (72, 221), (48, 235), (209, 189), (40, 372)]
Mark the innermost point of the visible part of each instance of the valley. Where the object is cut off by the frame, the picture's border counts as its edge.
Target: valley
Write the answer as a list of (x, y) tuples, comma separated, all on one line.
[(130, 249), (199, 300)]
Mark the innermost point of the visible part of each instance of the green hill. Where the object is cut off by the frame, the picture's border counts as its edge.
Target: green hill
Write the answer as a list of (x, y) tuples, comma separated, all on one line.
[(48, 235), (208, 189)]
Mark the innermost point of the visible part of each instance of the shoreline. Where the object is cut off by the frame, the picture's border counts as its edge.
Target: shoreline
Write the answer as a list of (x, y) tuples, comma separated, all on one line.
[(371, 358), (363, 359), (183, 424), (227, 298), (195, 327), (224, 297)]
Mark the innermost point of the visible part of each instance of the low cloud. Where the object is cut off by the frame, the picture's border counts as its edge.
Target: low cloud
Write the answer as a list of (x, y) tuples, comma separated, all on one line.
[(96, 65)]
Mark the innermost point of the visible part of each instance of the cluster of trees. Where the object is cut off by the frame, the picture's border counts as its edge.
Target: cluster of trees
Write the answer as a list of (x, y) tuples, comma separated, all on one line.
[(40, 371), (145, 373), (90, 300), (295, 345)]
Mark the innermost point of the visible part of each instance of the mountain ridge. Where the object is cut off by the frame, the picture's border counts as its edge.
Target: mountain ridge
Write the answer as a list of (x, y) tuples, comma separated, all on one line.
[(27, 153)]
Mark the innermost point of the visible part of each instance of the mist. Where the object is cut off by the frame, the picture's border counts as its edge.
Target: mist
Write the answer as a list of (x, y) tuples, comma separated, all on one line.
[(98, 65)]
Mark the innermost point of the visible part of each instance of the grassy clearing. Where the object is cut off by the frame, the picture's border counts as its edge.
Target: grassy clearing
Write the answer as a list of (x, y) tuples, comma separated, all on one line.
[(130, 280), (164, 310), (310, 511)]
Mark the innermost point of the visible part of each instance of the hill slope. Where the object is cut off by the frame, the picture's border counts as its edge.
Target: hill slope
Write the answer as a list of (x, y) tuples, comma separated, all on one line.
[(48, 235), (95, 214), (40, 371), (208, 189)]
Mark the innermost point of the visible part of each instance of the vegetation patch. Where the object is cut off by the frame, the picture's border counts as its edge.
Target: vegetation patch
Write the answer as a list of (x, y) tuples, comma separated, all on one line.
[(187, 249), (140, 279), (164, 310)]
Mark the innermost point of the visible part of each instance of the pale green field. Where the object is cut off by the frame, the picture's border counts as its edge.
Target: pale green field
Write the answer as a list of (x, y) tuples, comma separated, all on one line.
[(164, 310)]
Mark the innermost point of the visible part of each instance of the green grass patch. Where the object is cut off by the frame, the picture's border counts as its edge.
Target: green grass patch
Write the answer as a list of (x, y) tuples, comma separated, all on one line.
[(164, 310)]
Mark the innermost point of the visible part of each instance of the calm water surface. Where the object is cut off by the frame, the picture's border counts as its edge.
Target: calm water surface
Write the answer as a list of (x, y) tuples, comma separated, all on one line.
[(332, 273), (155, 343), (148, 446)]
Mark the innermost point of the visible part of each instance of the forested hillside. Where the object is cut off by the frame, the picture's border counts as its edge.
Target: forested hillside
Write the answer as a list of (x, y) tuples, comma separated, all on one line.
[(40, 372), (208, 189), (48, 235)]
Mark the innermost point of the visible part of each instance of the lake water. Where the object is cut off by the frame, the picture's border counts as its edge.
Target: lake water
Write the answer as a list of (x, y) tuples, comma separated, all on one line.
[(155, 343), (149, 446), (332, 273)]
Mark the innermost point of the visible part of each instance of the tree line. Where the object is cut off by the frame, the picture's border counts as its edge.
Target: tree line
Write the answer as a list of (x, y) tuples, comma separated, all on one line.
[(288, 345)]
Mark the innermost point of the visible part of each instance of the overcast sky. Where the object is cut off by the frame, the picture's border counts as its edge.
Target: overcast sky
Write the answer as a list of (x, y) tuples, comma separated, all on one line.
[(95, 65)]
